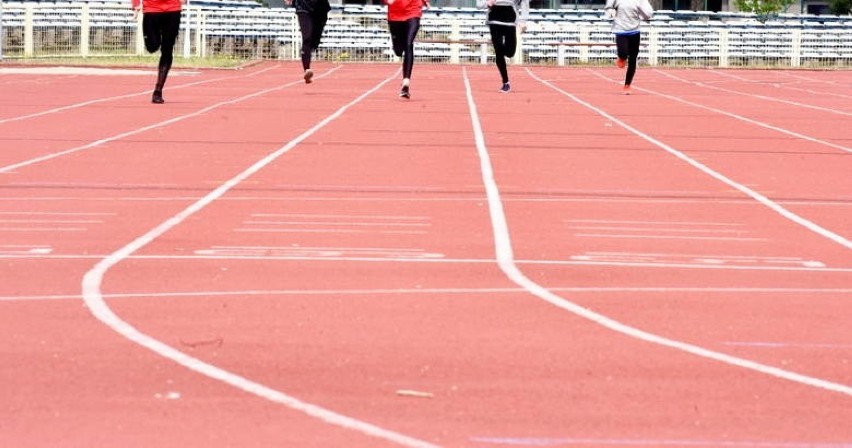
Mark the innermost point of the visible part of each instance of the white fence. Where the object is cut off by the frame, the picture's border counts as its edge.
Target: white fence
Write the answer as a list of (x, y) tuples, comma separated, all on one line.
[(452, 35)]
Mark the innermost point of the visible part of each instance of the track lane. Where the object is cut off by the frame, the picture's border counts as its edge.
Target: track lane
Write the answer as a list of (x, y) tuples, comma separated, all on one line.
[(56, 132), (499, 372), (504, 368), (137, 216)]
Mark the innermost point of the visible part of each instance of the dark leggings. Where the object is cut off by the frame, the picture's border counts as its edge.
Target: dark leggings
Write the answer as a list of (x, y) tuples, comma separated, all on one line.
[(628, 48), (161, 30), (402, 37), (505, 43), (311, 24)]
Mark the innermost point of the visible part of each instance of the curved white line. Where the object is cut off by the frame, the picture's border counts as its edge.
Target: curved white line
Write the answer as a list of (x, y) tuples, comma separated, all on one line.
[(774, 206), (506, 262), (94, 300)]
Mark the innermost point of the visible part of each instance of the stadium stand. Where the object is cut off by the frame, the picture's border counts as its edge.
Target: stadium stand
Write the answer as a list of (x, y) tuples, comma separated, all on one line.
[(243, 28)]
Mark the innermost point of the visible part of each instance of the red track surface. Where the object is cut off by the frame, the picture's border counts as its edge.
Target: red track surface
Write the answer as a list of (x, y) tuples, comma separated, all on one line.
[(365, 257)]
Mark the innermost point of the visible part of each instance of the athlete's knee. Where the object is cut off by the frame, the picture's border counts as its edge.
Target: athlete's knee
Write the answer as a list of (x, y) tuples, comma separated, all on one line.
[(152, 46)]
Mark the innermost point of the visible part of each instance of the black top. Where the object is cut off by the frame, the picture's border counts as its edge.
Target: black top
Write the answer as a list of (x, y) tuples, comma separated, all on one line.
[(311, 6)]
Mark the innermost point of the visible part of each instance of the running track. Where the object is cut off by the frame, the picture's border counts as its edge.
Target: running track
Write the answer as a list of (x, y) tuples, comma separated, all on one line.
[(264, 263)]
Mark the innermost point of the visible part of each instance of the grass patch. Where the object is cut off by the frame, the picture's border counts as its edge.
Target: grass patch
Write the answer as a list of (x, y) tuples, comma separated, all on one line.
[(130, 61)]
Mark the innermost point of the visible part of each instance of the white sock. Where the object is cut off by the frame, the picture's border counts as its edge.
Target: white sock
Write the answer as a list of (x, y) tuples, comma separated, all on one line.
[(405, 81)]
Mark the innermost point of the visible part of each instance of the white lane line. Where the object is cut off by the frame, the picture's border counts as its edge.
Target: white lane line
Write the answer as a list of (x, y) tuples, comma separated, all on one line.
[(364, 217), (655, 443), (712, 109), (91, 289), (698, 259), (300, 247), (506, 262), (810, 80), (772, 205), (130, 95), (679, 254), (785, 345), (25, 249), (654, 223), (236, 198), (43, 229), (440, 291), (34, 213), (339, 223), (202, 111), (655, 229), (51, 221), (319, 252), (781, 85), (390, 232), (668, 237), (573, 262), (762, 97)]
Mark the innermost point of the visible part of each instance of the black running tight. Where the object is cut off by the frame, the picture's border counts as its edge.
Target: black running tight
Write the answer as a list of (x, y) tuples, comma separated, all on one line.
[(402, 37), (505, 43), (311, 25), (628, 48), (160, 30)]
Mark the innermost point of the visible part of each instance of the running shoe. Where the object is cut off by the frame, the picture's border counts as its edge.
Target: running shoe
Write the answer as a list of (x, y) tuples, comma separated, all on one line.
[(619, 62), (404, 93), (626, 89), (506, 88), (157, 97), (309, 75)]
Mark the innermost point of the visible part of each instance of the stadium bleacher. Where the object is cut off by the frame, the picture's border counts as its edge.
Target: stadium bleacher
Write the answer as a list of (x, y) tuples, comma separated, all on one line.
[(244, 28)]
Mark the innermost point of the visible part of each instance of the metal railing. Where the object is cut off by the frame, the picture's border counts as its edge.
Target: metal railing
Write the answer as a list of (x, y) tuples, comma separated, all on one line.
[(78, 29)]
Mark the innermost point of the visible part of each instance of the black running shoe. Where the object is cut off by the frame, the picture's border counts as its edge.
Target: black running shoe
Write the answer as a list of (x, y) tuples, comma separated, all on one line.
[(404, 93), (506, 88), (157, 97)]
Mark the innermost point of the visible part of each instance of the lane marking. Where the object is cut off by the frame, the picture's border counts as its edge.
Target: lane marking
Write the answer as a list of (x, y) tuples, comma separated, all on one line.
[(438, 291), (634, 264), (91, 290), (700, 106), (24, 249), (656, 229), (14, 166), (762, 97), (43, 229), (655, 223), (130, 95), (319, 252), (392, 232), (813, 227), (668, 237), (782, 85), (576, 441), (787, 345), (364, 217), (506, 262), (38, 213), (339, 223), (460, 198), (698, 259), (51, 221)]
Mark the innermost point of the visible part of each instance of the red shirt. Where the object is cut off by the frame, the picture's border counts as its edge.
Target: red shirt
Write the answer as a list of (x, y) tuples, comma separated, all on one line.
[(158, 5), (402, 10)]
